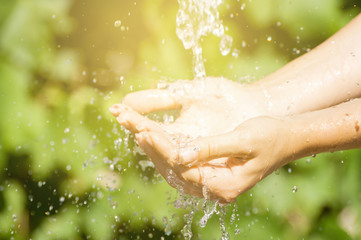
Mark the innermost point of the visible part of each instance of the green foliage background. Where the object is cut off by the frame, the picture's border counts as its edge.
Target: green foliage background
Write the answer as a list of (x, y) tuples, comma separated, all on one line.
[(64, 173)]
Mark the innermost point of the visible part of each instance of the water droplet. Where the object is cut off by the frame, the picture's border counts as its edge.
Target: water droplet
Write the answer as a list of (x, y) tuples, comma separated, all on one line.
[(243, 6), (222, 225), (187, 229), (209, 208), (269, 38), (225, 45), (235, 53), (144, 164), (294, 189), (117, 23)]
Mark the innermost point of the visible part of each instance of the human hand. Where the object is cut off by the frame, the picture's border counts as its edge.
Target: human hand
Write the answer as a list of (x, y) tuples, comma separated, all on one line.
[(225, 165), (208, 107)]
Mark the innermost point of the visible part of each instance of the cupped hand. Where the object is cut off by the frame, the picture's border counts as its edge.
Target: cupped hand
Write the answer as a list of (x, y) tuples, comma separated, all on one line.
[(208, 106), (210, 111)]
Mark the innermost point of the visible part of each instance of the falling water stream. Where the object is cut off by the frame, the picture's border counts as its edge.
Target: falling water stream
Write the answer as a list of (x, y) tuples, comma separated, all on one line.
[(195, 20)]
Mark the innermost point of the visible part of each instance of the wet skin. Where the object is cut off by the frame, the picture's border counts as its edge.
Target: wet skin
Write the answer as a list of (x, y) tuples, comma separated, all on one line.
[(230, 136)]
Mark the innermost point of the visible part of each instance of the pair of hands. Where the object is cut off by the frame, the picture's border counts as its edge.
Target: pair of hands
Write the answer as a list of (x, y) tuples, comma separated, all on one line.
[(220, 146), (223, 143)]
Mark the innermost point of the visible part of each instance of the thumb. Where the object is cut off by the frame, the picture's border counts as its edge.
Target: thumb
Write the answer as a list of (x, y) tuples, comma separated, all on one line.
[(207, 148)]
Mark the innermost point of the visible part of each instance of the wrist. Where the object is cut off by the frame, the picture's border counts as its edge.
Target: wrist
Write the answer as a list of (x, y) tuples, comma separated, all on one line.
[(273, 99), (261, 102), (296, 140)]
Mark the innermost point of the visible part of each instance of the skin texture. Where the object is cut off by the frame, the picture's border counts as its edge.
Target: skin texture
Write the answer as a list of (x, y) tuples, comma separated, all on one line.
[(230, 136), (208, 107)]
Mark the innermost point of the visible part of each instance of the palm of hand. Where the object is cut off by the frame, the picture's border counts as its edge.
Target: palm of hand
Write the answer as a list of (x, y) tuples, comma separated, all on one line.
[(208, 107)]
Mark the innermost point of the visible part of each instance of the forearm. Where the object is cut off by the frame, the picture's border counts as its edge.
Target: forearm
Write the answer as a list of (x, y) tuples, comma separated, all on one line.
[(331, 129), (326, 76)]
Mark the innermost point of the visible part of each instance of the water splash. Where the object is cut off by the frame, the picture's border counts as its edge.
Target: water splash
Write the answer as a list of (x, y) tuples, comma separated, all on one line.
[(197, 19), (209, 208), (222, 225), (187, 229), (185, 201)]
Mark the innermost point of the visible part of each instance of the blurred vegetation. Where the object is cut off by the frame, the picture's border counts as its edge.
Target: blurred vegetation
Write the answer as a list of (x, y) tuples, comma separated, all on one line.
[(68, 171)]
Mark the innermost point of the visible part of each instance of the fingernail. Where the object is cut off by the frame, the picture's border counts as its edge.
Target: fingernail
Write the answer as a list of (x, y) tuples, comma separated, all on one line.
[(114, 110), (188, 156)]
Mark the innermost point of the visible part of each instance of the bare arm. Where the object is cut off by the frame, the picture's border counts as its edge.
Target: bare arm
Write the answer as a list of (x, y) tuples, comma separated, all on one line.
[(332, 129), (233, 159), (326, 76), (231, 163), (261, 145)]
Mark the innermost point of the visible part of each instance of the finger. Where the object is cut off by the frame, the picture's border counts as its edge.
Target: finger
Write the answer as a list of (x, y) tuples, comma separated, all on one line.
[(159, 161), (163, 167), (132, 120), (152, 100), (145, 143), (204, 149), (164, 147), (116, 109), (218, 183)]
